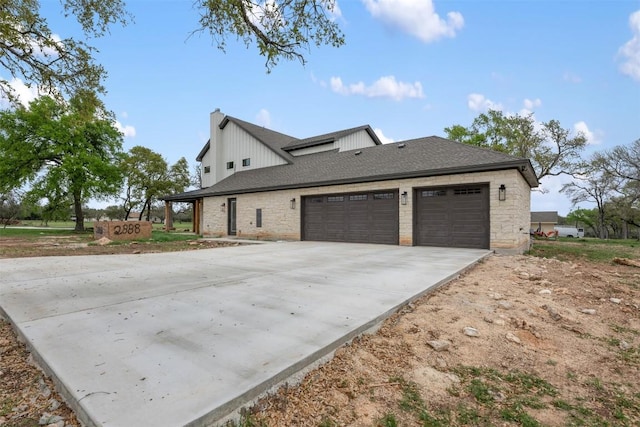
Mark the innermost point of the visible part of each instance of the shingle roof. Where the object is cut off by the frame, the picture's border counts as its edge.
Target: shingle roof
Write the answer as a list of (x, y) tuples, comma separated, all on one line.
[(203, 151), (329, 137), (272, 139), (547, 216), (428, 156)]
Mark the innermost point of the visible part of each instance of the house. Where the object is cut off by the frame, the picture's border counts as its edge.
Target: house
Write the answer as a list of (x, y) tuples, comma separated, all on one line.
[(543, 221), (347, 186)]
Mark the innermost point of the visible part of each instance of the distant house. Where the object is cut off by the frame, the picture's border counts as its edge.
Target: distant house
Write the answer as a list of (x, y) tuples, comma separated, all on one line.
[(346, 186), (544, 221)]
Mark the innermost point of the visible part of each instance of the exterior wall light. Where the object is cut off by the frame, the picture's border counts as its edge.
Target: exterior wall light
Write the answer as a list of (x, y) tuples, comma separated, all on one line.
[(403, 198), (293, 203), (222, 206), (502, 193)]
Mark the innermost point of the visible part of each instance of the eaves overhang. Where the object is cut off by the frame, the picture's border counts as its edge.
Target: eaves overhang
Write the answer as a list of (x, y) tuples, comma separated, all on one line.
[(522, 166)]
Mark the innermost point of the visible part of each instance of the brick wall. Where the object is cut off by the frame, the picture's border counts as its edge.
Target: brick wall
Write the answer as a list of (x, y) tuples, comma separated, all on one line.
[(509, 224)]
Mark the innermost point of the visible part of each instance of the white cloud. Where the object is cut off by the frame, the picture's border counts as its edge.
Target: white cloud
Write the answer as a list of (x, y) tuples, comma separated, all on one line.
[(416, 17), (478, 102), (630, 51), (550, 198), (570, 77), (384, 87), (24, 93), (381, 137), (531, 104), (124, 115), (593, 138), (263, 118), (128, 131), (48, 50)]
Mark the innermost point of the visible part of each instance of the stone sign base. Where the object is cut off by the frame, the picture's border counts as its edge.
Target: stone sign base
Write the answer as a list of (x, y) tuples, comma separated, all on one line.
[(122, 230)]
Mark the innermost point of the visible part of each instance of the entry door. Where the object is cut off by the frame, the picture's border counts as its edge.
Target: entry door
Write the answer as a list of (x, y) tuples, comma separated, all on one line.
[(231, 228)]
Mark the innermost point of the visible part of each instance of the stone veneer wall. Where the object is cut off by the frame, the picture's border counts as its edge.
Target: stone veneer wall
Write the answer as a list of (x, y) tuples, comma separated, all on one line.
[(509, 224)]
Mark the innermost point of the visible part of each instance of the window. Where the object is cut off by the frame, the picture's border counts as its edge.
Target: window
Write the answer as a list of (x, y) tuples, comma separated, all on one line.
[(433, 193), (229, 165), (246, 162), (258, 218), (207, 169), (463, 191), (380, 196), (355, 197), (335, 198), (316, 200)]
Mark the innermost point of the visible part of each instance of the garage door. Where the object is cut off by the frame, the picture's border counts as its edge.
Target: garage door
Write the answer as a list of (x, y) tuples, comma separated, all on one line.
[(368, 217), (452, 217)]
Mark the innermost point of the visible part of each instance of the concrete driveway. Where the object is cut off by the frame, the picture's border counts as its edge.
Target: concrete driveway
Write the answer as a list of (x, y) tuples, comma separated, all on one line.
[(185, 338)]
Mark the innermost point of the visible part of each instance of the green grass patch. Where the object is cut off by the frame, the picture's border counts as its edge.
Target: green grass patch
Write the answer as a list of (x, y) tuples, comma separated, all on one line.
[(327, 422), (389, 420), (246, 420), (36, 233), (163, 236), (6, 406), (610, 406), (592, 250), (50, 224), (483, 396)]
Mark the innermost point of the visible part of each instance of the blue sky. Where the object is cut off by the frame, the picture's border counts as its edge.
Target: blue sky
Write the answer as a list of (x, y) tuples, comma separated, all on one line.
[(409, 69)]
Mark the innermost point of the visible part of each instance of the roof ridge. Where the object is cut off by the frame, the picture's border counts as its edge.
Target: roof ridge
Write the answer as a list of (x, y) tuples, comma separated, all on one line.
[(243, 123)]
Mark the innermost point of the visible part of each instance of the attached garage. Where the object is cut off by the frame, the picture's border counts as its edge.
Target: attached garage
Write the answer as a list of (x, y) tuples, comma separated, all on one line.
[(452, 216), (346, 186), (366, 217)]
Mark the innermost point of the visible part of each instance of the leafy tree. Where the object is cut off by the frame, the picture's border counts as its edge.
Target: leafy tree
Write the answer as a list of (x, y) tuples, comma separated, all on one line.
[(96, 214), (623, 161), (596, 186), (9, 207), (67, 152), (114, 212), (582, 218), (279, 28), (196, 176), (148, 176), (551, 149), (30, 50)]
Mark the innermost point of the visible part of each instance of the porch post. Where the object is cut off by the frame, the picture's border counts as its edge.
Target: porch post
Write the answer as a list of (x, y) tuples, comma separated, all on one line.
[(168, 216), (196, 216)]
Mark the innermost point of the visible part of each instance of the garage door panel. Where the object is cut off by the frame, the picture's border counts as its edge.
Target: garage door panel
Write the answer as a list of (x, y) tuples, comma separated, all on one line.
[(367, 217), (452, 216)]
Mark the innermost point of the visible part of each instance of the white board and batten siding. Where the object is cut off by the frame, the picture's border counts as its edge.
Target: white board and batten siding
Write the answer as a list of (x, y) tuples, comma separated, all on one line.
[(354, 141), (238, 145), (360, 139), (235, 145), (312, 150)]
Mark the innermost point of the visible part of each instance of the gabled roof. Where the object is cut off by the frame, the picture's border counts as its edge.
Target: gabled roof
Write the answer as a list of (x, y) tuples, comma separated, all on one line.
[(430, 156), (330, 137), (203, 151), (275, 141), (546, 216)]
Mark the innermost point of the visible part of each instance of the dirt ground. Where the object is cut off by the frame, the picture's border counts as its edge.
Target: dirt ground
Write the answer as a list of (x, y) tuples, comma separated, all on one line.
[(517, 340), (16, 247)]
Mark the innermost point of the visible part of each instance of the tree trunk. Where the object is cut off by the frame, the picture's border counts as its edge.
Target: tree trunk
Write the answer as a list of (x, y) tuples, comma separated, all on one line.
[(77, 207)]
